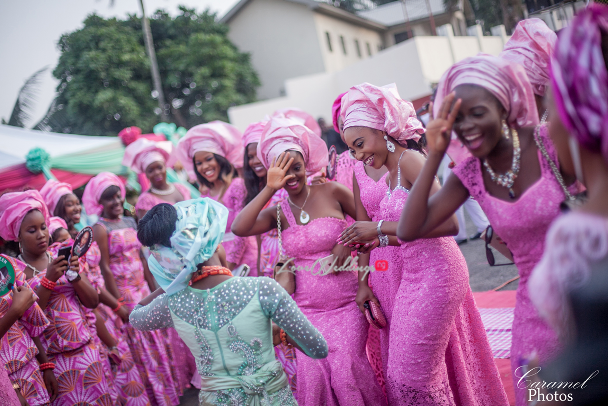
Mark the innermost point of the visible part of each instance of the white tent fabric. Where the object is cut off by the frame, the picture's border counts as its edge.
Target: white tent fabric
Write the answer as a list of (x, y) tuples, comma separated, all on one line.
[(16, 142)]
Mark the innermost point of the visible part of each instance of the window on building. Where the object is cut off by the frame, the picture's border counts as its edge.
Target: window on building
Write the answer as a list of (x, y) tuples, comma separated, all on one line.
[(369, 49), (343, 44), (401, 36), (358, 48), (328, 41)]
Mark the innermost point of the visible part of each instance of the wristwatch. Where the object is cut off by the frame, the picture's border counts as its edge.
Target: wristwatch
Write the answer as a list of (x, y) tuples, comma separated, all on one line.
[(72, 276)]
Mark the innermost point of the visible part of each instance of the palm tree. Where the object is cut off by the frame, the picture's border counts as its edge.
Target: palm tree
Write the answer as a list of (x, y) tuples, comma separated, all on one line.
[(24, 106)]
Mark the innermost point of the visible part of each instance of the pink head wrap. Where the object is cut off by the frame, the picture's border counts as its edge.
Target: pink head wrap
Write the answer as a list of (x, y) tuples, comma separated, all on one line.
[(507, 81), (216, 137), (531, 46), (55, 223), (335, 111), (282, 134), (143, 152), (14, 207), (53, 191), (96, 187), (380, 108), (580, 79), (300, 116), (253, 133)]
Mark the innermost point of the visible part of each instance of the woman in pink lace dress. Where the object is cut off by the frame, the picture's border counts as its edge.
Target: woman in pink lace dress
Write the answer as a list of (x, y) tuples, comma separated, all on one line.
[(577, 241), (495, 118), (211, 154), (345, 174), (435, 350), (127, 279), (345, 377), (20, 347), (150, 158)]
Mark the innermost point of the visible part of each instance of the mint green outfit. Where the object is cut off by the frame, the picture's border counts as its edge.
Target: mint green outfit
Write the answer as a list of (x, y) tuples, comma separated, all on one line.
[(229, 331)]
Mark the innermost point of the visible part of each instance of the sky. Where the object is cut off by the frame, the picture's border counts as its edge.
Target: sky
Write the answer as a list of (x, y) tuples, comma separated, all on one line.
[(30, 29)]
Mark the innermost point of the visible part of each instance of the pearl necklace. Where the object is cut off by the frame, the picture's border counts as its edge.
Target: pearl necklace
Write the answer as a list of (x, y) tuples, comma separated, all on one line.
[(163, 192), (543, 119), (304, 217), (507, 179)]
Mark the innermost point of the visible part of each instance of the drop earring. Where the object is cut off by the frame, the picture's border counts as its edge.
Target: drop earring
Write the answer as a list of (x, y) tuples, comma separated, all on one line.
[(505, 130), (389, 145)]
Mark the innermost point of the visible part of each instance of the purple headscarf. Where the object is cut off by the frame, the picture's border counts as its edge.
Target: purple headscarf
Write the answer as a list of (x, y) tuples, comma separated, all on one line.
[(580, 79)]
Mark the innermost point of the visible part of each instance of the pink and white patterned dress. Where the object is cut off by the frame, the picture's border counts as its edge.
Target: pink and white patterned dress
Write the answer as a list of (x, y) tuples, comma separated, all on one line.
[(174, 346), (17, 349), (434, 348), (522, 224), (7, 393), (147, 200), (124, 380), (147, 347), (345, 377), (239, 250), (70, 346)]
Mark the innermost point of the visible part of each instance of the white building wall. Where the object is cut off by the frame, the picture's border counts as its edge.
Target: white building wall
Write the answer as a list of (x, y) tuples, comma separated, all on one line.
[(281, 37), (413, 65), (335, 59)]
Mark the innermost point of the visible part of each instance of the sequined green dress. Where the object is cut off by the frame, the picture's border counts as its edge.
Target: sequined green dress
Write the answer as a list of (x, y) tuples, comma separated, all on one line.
[(229, 331)]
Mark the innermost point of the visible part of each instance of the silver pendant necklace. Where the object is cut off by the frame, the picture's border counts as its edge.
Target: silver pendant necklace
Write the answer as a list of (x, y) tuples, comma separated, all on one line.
[(163, 192), (304, 217), (35, 270)]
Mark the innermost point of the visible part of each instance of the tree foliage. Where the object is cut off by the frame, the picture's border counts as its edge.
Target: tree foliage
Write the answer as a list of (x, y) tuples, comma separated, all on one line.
[(105, 82)]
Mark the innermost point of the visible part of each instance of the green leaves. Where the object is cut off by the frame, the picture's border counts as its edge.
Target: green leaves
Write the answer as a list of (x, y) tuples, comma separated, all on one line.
[(105, 82)]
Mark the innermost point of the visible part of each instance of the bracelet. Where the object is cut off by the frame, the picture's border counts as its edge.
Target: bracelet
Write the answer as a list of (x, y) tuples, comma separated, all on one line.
[(47, 284), (379, 228), (115, 310), (383, 240), (121, 300), (47, 365)]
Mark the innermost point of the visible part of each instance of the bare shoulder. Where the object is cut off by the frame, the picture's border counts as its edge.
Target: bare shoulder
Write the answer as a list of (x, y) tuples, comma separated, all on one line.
[(411, 164)]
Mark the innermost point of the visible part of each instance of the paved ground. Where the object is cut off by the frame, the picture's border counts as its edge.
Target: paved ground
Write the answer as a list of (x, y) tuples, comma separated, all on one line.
[(482, 277)]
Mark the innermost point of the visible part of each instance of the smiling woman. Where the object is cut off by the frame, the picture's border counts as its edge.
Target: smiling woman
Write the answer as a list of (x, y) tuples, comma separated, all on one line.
[(489, 104)]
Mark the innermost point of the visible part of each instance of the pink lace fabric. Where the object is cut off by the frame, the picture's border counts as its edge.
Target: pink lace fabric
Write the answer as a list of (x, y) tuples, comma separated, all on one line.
[(345, 377), (239, 250), (7, 393), (434, 349), (575, 242), (147, 200), (523, 226), (345, 168)]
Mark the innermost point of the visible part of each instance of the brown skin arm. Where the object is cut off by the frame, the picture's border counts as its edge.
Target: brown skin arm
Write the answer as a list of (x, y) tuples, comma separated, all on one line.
[(102, 331), (252, 220), (426, 210), (147, 274), (101, 238), (49, 378)]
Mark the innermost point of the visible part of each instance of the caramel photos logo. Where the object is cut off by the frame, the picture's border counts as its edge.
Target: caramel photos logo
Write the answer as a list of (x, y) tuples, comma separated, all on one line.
[(329, 264), (538, 390)]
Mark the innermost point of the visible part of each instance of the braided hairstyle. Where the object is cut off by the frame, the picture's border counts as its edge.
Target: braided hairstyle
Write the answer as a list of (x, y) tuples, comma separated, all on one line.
[(157, 226)]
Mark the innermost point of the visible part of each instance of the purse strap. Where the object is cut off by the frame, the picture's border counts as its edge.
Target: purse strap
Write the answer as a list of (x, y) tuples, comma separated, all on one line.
[(279, 230), (556, 173)]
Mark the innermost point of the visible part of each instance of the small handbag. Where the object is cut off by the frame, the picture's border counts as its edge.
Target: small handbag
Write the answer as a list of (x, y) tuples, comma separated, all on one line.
[(572, 201), (374, 314), (285, 277)]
